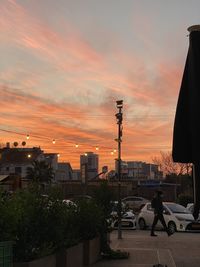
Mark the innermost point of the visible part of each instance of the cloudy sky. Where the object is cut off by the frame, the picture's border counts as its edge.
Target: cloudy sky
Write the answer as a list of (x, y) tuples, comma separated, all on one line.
[(64, 63)]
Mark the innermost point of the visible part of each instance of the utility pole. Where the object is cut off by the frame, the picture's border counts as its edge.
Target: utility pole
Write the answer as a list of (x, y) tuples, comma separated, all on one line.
[(119, 117)]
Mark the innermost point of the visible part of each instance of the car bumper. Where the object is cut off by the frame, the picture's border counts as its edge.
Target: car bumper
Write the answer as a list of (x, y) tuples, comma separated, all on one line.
[(188, 226), (125, 224), (193, 227)]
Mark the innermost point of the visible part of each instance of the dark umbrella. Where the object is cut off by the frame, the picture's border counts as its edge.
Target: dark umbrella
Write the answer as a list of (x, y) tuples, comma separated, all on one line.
[(186, 139)]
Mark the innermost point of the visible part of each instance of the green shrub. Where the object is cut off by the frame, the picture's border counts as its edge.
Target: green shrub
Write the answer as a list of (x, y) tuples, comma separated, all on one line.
[(38, 224), (42, 224), (103, 196), (90, 218), (7, 218)]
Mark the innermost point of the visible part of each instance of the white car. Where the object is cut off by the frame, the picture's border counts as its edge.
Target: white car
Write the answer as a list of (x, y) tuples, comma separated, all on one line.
[(177, 218), (114, 205), (135, 203), (190, 207), (128, 221)]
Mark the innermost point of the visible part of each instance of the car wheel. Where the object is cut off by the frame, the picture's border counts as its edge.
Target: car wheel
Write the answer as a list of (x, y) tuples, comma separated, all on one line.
[(142, 224), (172, 227)]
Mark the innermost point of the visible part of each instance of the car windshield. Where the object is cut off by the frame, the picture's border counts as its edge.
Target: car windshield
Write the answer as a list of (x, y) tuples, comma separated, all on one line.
[(176, 208)]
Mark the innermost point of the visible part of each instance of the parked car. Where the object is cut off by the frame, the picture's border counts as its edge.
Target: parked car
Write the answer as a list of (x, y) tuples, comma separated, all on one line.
[(177, 218), (128, 221), (190, 207), (128, 217), (114, 205), (135, 203)]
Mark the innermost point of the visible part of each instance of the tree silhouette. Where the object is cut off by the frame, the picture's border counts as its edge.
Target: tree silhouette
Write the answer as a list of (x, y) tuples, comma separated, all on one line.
[(168, 166), (40, 172)]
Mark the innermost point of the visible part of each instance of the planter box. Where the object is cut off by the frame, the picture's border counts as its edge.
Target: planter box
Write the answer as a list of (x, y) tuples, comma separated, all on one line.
[(6, 254), (85, 253), (49, 261), (91, 251), (61, 258), (75, 256)]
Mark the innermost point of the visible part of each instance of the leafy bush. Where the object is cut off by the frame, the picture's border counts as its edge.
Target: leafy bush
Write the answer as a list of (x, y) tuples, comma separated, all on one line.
[(42, 224), (89, 219), (37, 224), (7, 218), (103, 197)]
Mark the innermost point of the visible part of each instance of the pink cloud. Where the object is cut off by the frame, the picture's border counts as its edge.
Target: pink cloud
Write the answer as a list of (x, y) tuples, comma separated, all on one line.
[(121, 75)]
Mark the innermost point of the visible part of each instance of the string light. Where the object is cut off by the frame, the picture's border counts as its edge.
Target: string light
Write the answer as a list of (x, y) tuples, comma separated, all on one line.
[(58, 155), (112, 153), (76, 145), (29, 156), (86, 154)]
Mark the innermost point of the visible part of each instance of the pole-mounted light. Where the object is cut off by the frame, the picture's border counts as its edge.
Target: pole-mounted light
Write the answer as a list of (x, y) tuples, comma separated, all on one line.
[(119, 117), (119, 103)]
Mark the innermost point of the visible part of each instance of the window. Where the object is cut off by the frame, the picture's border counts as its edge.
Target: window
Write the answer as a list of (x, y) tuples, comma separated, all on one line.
[(176, 208)]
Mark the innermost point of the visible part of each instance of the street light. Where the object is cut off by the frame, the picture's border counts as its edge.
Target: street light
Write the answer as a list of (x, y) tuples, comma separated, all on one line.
[(119, 117)]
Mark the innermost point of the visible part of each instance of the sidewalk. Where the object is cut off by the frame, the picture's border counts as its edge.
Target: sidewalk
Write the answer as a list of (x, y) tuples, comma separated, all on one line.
[(178, 250)]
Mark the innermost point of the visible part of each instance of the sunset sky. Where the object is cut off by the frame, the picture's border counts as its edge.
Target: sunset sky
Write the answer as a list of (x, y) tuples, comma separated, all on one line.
[(64, 63)]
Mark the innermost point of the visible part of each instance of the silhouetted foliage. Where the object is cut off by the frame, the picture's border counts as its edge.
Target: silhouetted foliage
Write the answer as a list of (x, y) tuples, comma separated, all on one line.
[(103, 196), (40, 172), (168, 166), (185, 199)]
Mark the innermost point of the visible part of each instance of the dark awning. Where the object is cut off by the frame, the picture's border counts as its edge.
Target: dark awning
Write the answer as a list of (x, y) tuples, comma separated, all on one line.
[(186, 139)]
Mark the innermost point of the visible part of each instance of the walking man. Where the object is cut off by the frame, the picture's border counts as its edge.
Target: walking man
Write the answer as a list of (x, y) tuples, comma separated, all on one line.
[(157, 205)]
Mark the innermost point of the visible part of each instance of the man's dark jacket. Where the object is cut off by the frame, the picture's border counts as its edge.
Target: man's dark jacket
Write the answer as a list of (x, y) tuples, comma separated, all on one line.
[(157, 205)]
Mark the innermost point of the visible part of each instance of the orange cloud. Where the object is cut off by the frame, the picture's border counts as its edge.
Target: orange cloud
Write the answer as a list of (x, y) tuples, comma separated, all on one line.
[(81, 107)]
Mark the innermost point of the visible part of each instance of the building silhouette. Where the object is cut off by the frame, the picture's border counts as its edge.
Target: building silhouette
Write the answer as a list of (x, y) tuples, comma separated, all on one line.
[(89, 165)]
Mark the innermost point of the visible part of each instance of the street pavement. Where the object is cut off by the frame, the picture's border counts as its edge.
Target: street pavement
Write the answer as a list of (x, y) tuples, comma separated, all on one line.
[(178, 250)]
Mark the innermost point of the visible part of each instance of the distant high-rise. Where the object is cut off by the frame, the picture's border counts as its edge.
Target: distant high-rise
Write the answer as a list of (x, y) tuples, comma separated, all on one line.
[(89, 162)]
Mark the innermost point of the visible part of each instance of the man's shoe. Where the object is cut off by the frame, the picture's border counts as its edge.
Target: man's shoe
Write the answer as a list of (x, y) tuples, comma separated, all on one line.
[(152, 234), (169, 233)]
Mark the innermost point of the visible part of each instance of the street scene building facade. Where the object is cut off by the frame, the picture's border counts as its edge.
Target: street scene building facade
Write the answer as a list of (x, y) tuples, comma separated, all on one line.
[(18, 160), (139, 170)]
